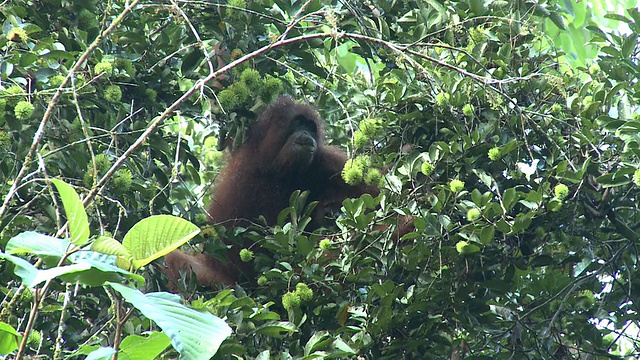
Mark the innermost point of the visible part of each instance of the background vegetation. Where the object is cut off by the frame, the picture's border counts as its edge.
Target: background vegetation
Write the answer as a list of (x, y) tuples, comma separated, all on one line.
[(509, 131)]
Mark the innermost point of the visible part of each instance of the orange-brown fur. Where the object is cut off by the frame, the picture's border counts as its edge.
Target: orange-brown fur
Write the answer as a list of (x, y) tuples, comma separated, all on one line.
[(284, 152)]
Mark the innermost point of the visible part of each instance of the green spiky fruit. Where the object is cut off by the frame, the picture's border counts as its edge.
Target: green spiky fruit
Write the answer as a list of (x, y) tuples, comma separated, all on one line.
[(56, 80), (373, 177), (12, 95), (103, 163), (442, 99), (456, 185), (242, 92), (122, 180), (636, 177), (352, 173), (494, 153), (272, 88), (561, 191), (125, 65), (325, 244), (227, 99), (291, 301), (103, 67), (23, 110), (304, 292), (252, 79), (473, 214), (5, 140), (359, 139), (427, 168), (235, 13), (468, 110), (246, 255), (113, 93), (370, 127), (17, 35)]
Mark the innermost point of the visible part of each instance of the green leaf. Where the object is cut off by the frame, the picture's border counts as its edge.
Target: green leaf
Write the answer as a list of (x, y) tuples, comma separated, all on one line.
[(276, 328), (109, 246), (609, 123), (30, 242), (191, 60), (144, 347), (618, 178), (103, 353), (156, 236), (23, 269), (102, 268), (393, 183), (611, 94), (344, 347), (345, 58), (629, 45), (58, 55), (304, 245), (59, 271), (430, 225), (9, 338), (522, 221), (419, 32), (194, 334), (618, 17), (558, 20), (509, 199), (465, 248), (88, 268), (487, 234), (476, 197), (540, 10), (581, 266), (84, 270), (27, 59), (486, 179), (477, 7), (542, 260), (503, 226), (318, 341), (76, 215)]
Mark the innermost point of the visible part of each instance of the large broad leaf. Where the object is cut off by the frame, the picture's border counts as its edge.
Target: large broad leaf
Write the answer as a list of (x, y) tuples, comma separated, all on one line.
[(144, 347), (9, 338), (101, 268), (31, 276), (30, 242), (88, 267), (194, 334), (111, 246), (276, 328), (24, 269), (87, 271), (58, 271), (103, 353), (76, 215), (156, 236)]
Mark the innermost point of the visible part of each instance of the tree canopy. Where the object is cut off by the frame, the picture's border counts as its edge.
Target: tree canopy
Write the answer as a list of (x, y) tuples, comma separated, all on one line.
[(508, 131)]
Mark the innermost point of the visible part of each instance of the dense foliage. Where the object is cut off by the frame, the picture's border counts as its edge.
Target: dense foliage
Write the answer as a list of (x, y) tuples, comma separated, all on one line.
[(508, 131)]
